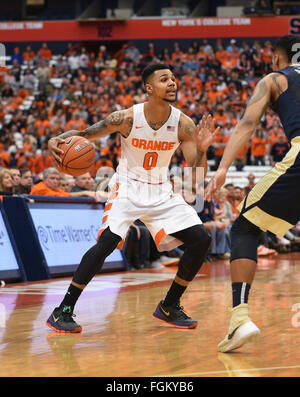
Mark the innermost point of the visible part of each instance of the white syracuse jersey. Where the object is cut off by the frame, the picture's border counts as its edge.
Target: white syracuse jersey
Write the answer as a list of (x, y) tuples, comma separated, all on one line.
[(146, 153), (140, 188)]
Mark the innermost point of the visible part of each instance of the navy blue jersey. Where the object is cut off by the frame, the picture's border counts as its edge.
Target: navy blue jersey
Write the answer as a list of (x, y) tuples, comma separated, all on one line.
[(288, 104)]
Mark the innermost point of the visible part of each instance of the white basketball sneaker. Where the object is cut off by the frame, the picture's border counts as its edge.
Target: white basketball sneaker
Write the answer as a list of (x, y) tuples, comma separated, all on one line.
[(241, 329)]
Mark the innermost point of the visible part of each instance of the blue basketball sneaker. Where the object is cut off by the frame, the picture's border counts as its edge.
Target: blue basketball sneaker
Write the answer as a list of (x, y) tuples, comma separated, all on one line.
[(61, 320), (174, 315)]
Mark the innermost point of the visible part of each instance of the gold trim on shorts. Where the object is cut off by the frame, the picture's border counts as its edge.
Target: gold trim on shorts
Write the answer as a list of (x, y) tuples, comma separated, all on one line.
[(259, 217)]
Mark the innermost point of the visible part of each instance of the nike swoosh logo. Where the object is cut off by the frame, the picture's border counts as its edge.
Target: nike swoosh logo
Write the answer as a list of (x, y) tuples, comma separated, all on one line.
[(69, 141), (55, 319), (230, 336), (137, 127), (164, 311)]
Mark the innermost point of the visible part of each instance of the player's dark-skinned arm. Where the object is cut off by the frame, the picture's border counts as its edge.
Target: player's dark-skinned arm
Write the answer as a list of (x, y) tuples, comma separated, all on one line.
[(195, 140), (241, 134), (119, 121)]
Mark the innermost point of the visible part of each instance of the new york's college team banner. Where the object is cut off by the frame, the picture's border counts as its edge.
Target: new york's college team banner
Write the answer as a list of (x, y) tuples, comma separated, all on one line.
[(144, 29)]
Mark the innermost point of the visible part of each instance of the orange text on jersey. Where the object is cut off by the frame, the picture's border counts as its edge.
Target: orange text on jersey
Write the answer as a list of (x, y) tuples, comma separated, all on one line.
[(152, 145)]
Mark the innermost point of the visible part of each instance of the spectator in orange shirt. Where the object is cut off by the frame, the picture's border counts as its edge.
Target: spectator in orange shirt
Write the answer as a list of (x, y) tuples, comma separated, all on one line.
[(201, 55), (26, 160), (22, 92), (274, 137), (126, 99), (215, 96), (239, 195), (219, 144), (42, 124), (230, 61), (190, 80), (76, 123), (209, 81), (221, 54), (258, 147), (183, 97), (276, 127), (42, 162), (45, 52), (232, 199), (251, 183), (82, 75), (165, 57), (221, 117), (177, 53), (103, 162), (9, 157), (133, 79), (49, 186), (112, 150), (241, 158), (267, 54), (107, 73), (28, 55)]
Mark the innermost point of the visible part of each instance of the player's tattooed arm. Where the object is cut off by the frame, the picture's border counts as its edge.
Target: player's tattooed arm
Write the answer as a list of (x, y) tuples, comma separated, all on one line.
[(189, 128), (265, 94), (119, 121), (104, 126), (275, 81), (200, 158), (280, 84)]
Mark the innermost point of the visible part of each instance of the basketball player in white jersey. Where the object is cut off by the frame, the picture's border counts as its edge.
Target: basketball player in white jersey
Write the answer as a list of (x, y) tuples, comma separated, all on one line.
[(150, 133)]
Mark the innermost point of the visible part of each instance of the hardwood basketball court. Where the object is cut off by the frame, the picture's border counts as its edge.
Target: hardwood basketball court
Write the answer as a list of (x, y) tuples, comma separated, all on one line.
[(121, 339)]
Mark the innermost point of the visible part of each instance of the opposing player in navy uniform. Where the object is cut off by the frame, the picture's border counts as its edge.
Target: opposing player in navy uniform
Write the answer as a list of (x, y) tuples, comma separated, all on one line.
[(273, 203)]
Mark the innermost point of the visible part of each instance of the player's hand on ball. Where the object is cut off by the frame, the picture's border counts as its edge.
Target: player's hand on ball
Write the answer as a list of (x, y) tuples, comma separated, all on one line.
[(54, 150), (206, 132)]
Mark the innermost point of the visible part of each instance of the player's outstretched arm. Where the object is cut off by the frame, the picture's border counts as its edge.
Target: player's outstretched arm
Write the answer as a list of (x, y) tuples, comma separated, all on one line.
[(243, 131), (119, 121)]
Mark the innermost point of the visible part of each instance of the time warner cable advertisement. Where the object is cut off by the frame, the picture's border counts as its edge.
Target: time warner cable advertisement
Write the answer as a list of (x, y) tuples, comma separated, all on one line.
[(65, 234)]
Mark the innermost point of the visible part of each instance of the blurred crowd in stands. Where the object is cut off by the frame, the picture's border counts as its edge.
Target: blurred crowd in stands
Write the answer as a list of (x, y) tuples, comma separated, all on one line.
[(43, 94)]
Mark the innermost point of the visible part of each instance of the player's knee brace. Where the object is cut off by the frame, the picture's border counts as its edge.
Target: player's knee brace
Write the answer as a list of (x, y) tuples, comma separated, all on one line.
[(244, 239), (197, 241), (94, 258)]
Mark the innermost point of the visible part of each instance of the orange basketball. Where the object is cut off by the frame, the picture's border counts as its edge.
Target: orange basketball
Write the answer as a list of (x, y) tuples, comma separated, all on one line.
[(79, 156)]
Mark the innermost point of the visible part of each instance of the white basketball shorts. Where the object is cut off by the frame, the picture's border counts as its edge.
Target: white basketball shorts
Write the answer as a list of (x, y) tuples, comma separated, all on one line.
[(162, 211)]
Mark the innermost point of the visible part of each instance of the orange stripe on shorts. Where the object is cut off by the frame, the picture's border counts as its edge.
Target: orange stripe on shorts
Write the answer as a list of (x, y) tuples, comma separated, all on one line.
[(159, 236), (121, 245), (107, 207), (100, 232)]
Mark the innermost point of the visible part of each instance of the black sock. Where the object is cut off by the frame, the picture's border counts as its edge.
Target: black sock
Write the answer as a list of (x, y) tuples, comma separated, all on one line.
[(71, 297), (240, 292), (174, 294)]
